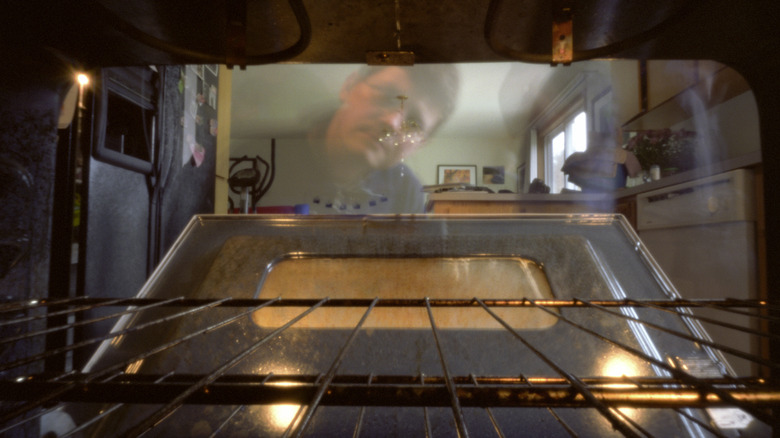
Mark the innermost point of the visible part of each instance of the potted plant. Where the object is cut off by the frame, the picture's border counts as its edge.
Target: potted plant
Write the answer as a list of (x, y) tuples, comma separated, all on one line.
[(672, 151)]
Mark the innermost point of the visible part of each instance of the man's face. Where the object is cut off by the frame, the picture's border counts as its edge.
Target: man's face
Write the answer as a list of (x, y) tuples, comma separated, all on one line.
[(371, 108)]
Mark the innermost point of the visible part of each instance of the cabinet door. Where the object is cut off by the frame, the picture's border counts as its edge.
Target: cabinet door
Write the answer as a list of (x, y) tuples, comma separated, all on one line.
[(625, 90), (627, 207), (666, 79)]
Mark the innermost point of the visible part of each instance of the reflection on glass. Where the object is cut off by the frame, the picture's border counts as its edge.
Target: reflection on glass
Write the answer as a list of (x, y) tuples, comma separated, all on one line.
[(351, 159), (327, 121)]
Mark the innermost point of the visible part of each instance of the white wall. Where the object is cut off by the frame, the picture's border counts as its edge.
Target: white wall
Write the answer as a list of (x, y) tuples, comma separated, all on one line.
[(288, 152), (469, 151)]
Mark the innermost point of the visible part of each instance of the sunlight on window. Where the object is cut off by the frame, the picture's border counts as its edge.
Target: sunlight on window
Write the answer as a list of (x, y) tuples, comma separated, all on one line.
[(558, 157), (571, 136), (579, 132)]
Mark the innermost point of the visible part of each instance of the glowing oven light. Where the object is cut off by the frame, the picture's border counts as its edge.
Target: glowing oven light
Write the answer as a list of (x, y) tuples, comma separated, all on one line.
[(618, 366), (280, 416)]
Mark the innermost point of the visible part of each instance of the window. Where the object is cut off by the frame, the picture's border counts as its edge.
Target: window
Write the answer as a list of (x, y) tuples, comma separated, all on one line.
[(564, 139), (561, 129)]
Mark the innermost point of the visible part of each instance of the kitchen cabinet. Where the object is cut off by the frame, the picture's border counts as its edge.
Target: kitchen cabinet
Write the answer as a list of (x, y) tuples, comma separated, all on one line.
[(627, 207), (654, 95), (673, 87), (703, 235), (626, 93), (666, 79)]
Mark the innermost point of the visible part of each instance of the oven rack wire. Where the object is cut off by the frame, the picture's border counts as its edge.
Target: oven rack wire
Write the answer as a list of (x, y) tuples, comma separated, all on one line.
[(27, 392)]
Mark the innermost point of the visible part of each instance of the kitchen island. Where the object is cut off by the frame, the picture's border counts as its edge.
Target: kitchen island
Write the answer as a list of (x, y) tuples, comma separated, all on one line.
[(483, 202), (618, 201)]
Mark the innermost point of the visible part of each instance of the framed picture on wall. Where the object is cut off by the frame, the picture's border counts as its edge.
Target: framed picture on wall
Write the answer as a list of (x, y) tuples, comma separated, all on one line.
[(457, 174), (493, 175)]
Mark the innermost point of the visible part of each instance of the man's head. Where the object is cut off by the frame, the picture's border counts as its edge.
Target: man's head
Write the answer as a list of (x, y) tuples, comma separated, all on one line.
[(371, 107)]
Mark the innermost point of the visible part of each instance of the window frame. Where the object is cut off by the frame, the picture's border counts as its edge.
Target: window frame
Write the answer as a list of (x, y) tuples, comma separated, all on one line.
[(563, 123), (580, 95)]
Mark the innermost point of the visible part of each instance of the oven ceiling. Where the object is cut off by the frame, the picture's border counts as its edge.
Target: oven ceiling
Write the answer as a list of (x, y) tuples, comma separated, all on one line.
[(239, 32)]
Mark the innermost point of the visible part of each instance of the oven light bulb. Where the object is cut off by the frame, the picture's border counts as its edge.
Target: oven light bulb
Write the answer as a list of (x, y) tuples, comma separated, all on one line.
[(82, 79)]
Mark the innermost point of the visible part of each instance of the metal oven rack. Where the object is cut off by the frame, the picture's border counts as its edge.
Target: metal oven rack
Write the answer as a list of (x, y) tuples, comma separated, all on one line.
[(30, 397), (173, 385)]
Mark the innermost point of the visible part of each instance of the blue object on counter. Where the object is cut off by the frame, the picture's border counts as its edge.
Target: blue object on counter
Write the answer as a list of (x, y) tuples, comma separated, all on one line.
[(301, 208)]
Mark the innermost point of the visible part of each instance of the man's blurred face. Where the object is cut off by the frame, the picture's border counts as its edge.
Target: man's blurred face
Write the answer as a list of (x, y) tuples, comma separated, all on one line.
[(371, 108)]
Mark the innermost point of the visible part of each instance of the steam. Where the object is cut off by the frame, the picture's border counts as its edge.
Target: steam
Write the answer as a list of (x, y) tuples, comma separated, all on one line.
[(696, 101)]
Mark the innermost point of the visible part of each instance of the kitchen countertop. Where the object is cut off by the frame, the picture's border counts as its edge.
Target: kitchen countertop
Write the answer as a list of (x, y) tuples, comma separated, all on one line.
[(526, 197), (484, 202), (746, 160)]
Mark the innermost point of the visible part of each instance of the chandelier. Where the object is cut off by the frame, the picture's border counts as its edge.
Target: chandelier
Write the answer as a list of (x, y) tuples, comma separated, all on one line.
[(408, 133)]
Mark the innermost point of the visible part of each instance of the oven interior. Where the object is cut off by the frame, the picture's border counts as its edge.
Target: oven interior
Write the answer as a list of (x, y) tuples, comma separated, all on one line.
[(195, 354), (588, 339)]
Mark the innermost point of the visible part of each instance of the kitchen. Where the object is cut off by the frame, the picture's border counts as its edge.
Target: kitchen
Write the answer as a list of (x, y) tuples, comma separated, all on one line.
[(499, 111), (520, 149)]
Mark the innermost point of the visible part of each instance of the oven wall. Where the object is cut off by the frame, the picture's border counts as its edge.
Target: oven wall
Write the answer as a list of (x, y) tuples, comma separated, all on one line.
[(29, 108)]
